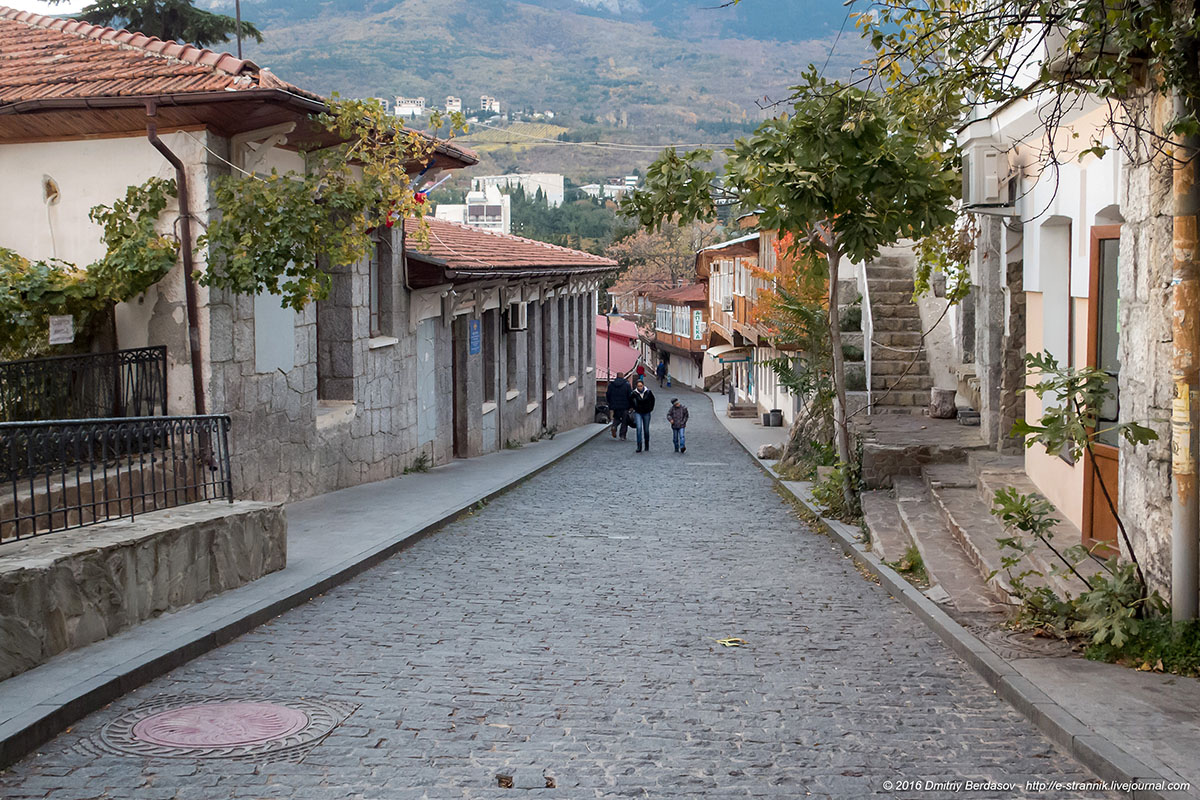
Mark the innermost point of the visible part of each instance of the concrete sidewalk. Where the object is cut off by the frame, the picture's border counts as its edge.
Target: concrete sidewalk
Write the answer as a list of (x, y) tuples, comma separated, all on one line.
[(1124, 725), (331, 538)]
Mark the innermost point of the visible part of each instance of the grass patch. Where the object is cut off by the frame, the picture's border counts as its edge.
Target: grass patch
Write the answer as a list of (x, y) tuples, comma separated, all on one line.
[(911, 566), (1159, 645)]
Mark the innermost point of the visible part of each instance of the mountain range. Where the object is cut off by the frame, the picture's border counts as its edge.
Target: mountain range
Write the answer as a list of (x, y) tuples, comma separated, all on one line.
[(650, 71)]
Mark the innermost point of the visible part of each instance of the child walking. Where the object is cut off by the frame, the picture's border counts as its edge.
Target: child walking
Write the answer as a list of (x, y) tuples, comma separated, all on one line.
[(678, 417)]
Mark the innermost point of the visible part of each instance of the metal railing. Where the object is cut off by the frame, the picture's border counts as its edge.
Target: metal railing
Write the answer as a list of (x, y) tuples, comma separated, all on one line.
[(124, 383), (868, 329), (66, 474)]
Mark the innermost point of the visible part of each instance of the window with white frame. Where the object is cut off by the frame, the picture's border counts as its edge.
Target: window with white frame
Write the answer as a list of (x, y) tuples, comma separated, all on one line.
[(662, 321), (683, 320)]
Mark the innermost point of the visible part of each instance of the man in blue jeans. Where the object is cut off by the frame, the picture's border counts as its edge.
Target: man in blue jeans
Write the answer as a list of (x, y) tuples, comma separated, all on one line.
[(678, 417), (642, 403)]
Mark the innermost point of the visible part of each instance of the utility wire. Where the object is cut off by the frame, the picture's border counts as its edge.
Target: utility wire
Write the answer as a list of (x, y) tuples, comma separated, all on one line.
[(596, 144)]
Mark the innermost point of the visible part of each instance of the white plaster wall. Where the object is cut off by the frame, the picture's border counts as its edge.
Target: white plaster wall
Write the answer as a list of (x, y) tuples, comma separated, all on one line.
[(98, 172)]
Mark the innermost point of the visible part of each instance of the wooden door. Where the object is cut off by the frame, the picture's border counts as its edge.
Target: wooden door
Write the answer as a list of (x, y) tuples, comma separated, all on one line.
[(1101, 473)]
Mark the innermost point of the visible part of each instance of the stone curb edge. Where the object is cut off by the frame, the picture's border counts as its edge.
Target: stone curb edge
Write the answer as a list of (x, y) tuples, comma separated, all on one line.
[(1102, 757), (22, 734)]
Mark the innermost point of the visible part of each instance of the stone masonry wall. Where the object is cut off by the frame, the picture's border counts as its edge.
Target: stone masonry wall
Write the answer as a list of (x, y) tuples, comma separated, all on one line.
[(1144, 286), (68, 590)]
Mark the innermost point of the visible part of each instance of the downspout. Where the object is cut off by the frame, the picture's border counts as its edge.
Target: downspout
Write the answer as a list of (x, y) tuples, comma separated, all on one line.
[(1185, 282), (185, 243)]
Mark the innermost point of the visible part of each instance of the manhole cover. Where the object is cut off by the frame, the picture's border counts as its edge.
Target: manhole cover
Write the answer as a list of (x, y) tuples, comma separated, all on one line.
[(220, 725), (1020, 644), (222, 728)]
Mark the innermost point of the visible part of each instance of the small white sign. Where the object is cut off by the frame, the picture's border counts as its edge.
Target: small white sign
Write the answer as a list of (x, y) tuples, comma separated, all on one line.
[(62, 329)]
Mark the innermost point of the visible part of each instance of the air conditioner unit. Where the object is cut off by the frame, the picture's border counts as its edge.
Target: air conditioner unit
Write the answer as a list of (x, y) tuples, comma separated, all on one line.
[(727, 304), (518, 316), (989, 183)]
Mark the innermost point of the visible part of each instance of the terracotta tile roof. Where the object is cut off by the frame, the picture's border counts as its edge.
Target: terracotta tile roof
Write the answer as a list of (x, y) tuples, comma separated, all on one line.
[(50, 57), (692, 293), (469, 251)]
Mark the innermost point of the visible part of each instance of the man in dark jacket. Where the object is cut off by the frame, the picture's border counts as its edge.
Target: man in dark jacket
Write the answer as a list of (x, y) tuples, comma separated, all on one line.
[(643, 404), (677, 415), (618, 398)]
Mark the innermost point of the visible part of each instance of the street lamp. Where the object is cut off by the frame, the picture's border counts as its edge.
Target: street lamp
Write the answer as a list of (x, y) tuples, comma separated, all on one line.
[(608, 318)]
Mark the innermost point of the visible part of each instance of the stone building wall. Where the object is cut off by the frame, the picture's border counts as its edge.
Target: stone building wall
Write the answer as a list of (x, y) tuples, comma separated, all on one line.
[(1144, 286), (344, 408)]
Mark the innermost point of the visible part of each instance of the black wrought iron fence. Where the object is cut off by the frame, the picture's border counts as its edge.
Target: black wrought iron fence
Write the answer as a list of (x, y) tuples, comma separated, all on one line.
[(69, 473), (124, 383)]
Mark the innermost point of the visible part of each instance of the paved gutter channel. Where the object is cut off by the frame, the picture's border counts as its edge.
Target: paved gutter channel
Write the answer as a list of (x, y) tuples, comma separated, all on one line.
[(37, 705), (1097, 753)]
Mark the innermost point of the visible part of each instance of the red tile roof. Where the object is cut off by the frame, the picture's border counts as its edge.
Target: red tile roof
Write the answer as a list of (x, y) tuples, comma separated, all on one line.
[(475, 252), (50, 57), (692, 293)]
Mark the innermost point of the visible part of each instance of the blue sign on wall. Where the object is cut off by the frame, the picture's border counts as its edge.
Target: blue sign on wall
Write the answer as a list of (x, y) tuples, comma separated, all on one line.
[(474, 337)]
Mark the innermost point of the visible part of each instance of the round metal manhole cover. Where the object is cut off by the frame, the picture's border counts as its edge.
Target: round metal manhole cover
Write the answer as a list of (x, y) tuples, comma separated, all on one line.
[(1012, 644), (220, 725), (236, 728)]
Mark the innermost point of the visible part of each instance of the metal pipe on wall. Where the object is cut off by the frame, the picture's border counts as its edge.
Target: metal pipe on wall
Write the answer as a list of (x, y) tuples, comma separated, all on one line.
[(185, 245), (1185, 373)]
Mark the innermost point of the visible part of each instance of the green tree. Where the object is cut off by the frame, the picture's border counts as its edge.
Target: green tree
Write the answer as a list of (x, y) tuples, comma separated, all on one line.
[(170, 20), (844, 174)]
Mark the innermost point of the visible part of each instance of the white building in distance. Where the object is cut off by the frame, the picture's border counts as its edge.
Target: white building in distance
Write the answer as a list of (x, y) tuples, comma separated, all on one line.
[(489, 103), (453, 104), (608, 191), (409, 107), (384, 102), (487, 209), (550, 184)]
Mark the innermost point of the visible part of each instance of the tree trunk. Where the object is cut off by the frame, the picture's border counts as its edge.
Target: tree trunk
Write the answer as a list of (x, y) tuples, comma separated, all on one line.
[(841, 433)]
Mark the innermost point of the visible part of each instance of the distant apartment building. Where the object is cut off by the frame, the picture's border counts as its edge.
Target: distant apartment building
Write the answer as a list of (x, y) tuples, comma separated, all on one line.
[(453, 104), (486, 208), (383, 102), (607, 191), (550, 184), (409, 107), (489, 103)]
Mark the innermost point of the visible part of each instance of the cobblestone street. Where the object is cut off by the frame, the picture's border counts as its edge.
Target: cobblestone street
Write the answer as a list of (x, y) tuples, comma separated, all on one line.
[(569, 628)]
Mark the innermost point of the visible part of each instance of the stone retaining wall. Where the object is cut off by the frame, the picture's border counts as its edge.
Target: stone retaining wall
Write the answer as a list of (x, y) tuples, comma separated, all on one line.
[(68, 589)]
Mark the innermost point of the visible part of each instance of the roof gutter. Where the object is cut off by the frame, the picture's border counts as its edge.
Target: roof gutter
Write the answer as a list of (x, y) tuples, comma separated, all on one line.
[(185, 243), (296, 102)]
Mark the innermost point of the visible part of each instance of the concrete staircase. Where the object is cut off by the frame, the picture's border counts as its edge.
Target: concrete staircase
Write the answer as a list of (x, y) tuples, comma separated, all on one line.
[(743, 411), (896, 387), (945, 513)]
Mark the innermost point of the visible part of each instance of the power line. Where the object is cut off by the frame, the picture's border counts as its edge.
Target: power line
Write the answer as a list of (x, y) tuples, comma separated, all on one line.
[(838, 38)]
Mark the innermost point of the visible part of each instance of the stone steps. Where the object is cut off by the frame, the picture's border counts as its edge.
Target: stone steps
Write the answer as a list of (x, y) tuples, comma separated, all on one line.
[(889, 540), (945, 562), (878, 285), (901, 398), (890, 297), (741, 412), (908, 339), (890, 366), (914, 381)]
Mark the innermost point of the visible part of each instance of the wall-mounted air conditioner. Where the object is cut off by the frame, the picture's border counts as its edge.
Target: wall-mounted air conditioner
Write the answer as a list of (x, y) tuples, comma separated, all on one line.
[(989, 182), (518, 316), (727, 305)]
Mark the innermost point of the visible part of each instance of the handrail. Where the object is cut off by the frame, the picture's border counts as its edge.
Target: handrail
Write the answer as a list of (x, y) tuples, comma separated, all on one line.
[(868, 328), (122, 383), (62, 474)]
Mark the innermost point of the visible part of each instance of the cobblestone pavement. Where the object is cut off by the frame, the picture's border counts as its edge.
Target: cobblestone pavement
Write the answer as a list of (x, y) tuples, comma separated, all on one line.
[(569, 628)]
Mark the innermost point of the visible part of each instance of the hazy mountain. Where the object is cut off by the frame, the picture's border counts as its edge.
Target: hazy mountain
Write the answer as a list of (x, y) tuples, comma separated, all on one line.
[(659, 68)]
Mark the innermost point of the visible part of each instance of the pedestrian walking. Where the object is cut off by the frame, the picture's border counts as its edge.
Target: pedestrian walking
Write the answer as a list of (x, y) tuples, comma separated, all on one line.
[(641, 372), (661, 371), (643, 404), (678, 417), (618, 397)]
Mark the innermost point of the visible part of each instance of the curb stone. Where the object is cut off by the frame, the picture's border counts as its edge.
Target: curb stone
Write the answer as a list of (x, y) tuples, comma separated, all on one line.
[(38, 723), (1102, 757)]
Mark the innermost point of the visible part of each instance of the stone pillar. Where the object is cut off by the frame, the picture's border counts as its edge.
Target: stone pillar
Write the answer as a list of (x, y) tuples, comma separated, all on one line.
[(986, 305)]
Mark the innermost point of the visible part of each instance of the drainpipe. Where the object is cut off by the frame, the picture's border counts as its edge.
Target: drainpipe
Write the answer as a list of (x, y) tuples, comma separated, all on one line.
[(1185, 371), (185, 244)]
